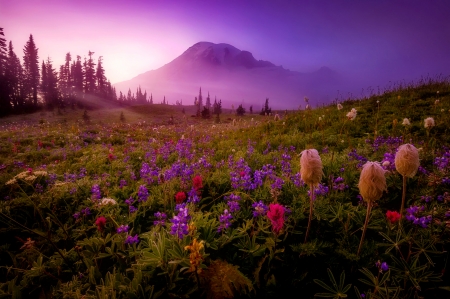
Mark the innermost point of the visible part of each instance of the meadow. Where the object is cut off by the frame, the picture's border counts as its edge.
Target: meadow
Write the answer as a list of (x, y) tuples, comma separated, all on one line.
[(95, 205)]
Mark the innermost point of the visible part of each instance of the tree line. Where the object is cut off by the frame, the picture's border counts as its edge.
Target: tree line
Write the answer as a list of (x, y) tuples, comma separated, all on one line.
[(29, 85)]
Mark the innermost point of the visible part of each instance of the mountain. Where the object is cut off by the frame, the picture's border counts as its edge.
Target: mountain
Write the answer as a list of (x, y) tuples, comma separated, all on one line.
[(234, 76)]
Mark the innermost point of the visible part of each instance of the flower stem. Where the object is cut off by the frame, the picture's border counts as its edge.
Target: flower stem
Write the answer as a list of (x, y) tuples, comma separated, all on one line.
[(369, 208), (403, 197), (311, 199)]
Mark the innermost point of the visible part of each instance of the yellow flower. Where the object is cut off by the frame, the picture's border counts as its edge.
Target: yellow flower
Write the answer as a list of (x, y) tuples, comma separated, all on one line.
[(195, 257)]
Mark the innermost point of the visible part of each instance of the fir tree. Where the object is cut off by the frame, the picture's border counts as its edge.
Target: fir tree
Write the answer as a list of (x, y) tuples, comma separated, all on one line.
[(240, 110), (199, 103), (89, 74), (31, 70), (5, 91), (100, 78), (14, 79)]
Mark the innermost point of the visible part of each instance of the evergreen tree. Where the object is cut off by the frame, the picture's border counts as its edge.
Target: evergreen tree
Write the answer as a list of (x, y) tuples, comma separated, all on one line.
[(129, 96), (49, 85), (5, 91), (208, 102), (199, 103), (151, 98), (77, 76), (14, 78), (100, 78), (240, 110), (266, 110), (31, 70), (217, 107), (89, 74)]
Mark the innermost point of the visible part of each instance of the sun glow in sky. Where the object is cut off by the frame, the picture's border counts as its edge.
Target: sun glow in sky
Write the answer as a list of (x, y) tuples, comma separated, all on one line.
[(379, 41)]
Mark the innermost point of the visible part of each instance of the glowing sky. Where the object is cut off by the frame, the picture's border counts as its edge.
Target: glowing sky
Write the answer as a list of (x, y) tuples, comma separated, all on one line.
[(374, 41)]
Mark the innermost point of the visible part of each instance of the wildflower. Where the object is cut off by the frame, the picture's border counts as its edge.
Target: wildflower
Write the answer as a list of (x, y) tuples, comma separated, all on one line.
[(339, 107), (180, 197), (197, 182), (429, 123), (161, 218), (384, 266), (276, 216), (28, 244), (352, 114), (142, 193), (193, 196), (406, 122), (122, 229), (179, 222), (132, 240), (372, 181), (96, 193), (195, 257), (260, 209), (101, 223), (107, 201), (311, 167), (393, 216), (224, 220)]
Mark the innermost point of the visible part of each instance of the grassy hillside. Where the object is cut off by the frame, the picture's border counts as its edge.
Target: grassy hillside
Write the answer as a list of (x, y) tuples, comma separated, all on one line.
[(140, 208)]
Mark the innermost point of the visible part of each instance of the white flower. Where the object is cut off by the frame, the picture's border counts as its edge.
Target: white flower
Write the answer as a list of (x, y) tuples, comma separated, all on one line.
[(352, 114), (320, 118), (386, 163), (107, 201), (339, 106), (406, 122), (436, 102), (429, 122)]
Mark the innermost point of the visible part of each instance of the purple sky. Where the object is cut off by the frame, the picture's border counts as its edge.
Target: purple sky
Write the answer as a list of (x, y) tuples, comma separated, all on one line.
[(373, 41)]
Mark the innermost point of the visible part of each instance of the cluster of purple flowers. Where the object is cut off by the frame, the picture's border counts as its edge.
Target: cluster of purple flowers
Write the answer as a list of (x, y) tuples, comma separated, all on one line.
[(296, 179), (83, 212), (391, 142), (426, 198), (443, 162), (353, 156), (96, 193), (122, 229), (132, 240), (338, 184), (320, 190), (411, 215), (193, 196), (130, 202), (161, 218), (180, 226), (286, 164), (225, 221), (233, 202), (260, 209), (179, 169), (150, 174), (142, 193), (241, 176), (38, 188), (388, 162), (382, 266), (184, 149)]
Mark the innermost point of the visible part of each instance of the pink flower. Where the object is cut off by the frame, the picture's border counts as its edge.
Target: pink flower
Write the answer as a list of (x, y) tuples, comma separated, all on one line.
[(180, 197), (101, 223), (276, 216), (197, 182), (393, 216)]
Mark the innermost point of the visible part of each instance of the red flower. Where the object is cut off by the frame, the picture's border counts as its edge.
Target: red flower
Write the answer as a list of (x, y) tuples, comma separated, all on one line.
[(198, 183), (276, 216), (110, 157), (393, 216), (101, 223), (180, 197)]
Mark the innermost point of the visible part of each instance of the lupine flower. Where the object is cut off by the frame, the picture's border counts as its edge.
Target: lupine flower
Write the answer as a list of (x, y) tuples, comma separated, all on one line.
[(132, 240), (101, 223), (180, 197), (142, 193), (193, 196), (276, 216), (224, 220), (260, 209), (384, 266), (96, 193), (393, 216), (161, 218), (122, 229), (180, 222)]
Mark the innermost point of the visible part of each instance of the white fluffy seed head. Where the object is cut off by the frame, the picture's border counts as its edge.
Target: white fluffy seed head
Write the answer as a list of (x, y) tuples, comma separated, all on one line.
[(407, 160), (429, 122), (372, 181), (311, 167)]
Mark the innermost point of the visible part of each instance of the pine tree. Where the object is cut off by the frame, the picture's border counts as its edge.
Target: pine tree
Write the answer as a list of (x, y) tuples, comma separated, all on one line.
[(5, 91), (14, 77), (100, 78), (49, 85), (31, 70), (199, 103), (151, 98), (77, 76), (240, 110), (208, 102), (89, 74)]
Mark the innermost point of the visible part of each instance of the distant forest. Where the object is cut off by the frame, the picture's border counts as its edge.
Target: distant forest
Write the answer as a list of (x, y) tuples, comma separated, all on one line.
[(33, 85)]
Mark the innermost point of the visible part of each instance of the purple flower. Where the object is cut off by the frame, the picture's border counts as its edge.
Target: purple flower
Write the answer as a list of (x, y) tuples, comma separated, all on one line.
[(86, 211), (132, 209), (142, 193), (132, 240), (384, 267), (122, 229), (180, 222), (193, 196), (260, 209), (122, 183), (224, 220), (96, 193), (76, 215), (161, 218), (39, 188)]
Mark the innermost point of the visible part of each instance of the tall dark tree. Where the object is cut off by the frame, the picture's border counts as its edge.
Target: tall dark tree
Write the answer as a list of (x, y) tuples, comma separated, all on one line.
[(199, 103), (151, 98), (101, 79), (77, 76), (49, 84), (4, 84), (14, 77), (208, 103), (65, 79), (89, 74), (266, 110), (31, 70)]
